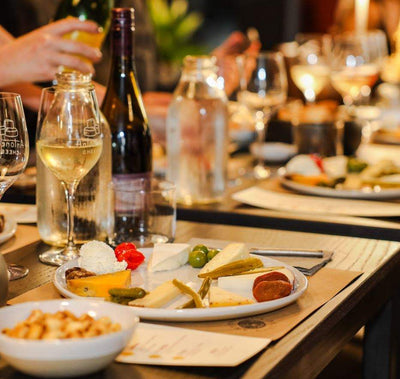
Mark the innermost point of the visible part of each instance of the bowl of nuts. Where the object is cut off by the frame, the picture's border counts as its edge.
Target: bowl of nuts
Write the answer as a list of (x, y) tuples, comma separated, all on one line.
[(64, 338)]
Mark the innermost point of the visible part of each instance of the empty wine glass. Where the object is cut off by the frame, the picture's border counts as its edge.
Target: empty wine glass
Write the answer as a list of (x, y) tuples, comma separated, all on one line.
[(310, 71), (263, 88), (14, 152), (69, 142)]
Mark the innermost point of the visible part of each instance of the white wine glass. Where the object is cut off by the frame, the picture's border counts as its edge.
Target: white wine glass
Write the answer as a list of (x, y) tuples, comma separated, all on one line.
[(14, 153), (69, 143), (263, 89), (310, 70), (354, 67)]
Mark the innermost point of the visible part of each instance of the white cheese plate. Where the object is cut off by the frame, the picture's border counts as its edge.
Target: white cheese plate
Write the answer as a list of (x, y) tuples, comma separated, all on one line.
[(10, 227), (187, 274)]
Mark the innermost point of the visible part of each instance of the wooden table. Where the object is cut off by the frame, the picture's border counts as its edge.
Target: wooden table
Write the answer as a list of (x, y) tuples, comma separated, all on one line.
[(308, 348)]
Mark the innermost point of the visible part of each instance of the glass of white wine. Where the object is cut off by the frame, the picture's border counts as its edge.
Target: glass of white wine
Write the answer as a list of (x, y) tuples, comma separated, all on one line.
[(69, 142), (310, 71), (14, 152), (354, 67), (263, 89)]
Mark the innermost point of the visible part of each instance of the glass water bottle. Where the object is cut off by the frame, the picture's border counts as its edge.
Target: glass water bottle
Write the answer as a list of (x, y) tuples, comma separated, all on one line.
[(197, 151)]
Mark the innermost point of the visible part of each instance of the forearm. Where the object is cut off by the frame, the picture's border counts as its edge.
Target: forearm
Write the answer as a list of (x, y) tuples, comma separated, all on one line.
[(29, 92)]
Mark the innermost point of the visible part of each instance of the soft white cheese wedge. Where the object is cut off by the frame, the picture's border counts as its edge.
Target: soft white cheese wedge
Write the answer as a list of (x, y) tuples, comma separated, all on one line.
[(168, 256), (219, 297), (231, 253), (244, 283)]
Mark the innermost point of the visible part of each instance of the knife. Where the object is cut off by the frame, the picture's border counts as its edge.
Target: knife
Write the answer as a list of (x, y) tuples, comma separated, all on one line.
[(278, 252)]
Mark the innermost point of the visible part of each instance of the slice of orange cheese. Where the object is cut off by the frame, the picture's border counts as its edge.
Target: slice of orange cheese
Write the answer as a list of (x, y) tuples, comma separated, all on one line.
[(309, 180), (99, 285)]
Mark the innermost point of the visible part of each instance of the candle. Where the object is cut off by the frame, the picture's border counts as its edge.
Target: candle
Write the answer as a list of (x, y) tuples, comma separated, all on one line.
[(361, 15)]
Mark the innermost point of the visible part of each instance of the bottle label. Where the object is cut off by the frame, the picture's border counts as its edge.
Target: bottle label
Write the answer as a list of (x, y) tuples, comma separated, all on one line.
[(130, 192)]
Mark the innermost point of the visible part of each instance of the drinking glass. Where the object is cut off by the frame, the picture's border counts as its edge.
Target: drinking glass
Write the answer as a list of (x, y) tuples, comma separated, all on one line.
[(14, 152), (310, 71), (263, 88), (69, 142), (354, 67), (142, 211)]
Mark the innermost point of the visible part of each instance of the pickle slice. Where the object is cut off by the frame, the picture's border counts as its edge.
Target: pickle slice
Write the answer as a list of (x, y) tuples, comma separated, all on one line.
[(188, 291), (233, 268), (203, 290)]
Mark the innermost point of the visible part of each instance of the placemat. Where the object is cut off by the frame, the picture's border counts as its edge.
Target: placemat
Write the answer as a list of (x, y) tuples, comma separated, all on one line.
[(322, 287), (276, 199), (24, 237)]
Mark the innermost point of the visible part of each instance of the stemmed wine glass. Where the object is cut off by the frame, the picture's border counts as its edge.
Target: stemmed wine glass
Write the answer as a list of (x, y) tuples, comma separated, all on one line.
[(354, 67), (14, 152), (69, 142), (263, 88), (310, 71)]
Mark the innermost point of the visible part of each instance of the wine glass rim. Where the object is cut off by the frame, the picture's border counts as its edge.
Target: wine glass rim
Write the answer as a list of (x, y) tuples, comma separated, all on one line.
[(13, 95)]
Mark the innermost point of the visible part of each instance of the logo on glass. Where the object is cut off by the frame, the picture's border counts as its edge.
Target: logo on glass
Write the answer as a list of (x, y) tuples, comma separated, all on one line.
[(91, 129), (9, 138)]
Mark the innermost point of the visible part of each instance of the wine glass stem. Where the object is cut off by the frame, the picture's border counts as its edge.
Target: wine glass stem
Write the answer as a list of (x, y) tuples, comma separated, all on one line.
[(69, 194)]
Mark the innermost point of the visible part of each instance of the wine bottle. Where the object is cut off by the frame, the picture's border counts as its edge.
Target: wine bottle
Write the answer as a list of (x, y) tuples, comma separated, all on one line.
[(123, 106), (95, 10), (131, 144)]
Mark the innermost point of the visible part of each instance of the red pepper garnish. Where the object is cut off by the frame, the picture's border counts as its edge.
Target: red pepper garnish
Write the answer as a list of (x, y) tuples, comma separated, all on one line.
[(127, 252), (318, 161)]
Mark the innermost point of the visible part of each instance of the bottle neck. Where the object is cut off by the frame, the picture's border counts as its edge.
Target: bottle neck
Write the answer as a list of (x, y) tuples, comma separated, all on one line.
[(122, 49)]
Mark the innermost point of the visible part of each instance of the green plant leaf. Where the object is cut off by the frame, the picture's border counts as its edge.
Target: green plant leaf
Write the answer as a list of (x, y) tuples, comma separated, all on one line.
[(188, 25), (178, 8), (159, 12)]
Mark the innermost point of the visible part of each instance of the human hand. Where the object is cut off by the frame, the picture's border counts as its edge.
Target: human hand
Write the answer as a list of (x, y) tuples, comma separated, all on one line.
[(38, 55), (236, 44)]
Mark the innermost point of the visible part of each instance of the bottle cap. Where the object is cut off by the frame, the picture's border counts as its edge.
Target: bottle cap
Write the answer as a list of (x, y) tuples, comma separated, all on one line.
[(123, 18)]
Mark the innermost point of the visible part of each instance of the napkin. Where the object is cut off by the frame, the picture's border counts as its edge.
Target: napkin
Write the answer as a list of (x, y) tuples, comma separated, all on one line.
[(306, 265)]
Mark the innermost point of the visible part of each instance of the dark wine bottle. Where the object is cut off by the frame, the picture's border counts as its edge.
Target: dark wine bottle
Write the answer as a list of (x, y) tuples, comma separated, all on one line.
[(130, 133), (95, 10), (123, 105)]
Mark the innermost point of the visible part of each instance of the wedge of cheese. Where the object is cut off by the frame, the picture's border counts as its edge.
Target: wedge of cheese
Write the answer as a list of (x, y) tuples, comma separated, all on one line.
[(168, 256), (157, 298), (99, 285), (218, 297), (232, 252), (244, 283)]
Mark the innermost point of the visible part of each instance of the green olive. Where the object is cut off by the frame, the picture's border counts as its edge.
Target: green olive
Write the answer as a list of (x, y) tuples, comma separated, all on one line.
[(197, 258), (201, 248), (211, 254)]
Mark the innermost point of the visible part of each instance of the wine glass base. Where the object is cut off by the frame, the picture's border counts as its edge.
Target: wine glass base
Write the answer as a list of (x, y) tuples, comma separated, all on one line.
[(261, 172), (17, 272), (57, 257)]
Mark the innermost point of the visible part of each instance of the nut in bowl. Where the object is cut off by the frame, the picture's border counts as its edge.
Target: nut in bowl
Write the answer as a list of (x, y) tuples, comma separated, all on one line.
[(65, 357)]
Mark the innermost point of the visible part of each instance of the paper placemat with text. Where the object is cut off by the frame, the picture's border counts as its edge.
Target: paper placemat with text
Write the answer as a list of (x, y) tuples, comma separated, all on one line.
[(324, 285)]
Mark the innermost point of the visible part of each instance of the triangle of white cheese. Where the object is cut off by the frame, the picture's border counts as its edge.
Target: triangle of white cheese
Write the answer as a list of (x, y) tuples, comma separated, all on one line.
[(231, 253), (168, 256)]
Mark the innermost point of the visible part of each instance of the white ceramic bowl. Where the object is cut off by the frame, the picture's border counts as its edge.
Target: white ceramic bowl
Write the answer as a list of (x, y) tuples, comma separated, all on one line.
[(66, 357)]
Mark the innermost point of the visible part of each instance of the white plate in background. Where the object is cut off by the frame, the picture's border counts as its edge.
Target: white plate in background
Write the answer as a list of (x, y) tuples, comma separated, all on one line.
[(10, 227), (273, 151)]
